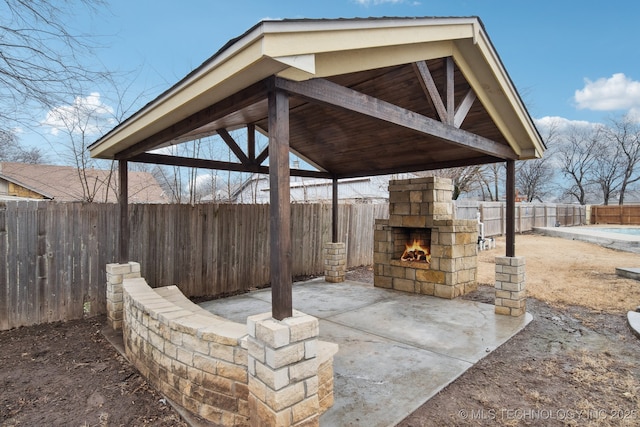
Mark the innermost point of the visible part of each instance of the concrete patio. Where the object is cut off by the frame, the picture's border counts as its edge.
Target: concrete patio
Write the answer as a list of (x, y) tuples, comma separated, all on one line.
[(397, 350)]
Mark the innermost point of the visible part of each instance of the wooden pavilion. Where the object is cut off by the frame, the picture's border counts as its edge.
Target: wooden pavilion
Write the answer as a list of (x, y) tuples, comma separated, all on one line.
[(352, 97)]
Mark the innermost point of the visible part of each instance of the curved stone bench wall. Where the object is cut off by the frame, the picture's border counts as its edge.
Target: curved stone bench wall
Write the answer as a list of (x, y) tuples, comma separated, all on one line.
[(196, 359), (267, 372)]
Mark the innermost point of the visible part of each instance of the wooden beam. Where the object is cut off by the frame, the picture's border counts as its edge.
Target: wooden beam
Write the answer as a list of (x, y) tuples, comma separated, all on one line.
[(262, 156), (328, 93), (430, 88), (242, 99), (480, 160), (280, 206), (334, 211), (450, 88), (123, 200), (190, 162), (511, 209), (233, 146), (464, 107)]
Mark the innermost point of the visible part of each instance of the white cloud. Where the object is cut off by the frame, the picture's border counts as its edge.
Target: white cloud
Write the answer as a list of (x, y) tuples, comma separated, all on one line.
[(88, 115), (617, 92), (560, 124)]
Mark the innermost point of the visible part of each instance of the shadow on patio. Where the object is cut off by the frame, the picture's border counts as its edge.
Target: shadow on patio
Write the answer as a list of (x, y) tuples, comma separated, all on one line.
[(397, 350)]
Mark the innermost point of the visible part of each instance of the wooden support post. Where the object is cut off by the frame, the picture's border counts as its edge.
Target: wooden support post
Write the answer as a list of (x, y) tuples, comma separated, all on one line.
[(511, 208), (280, 207), (334, 212), (123, 199)]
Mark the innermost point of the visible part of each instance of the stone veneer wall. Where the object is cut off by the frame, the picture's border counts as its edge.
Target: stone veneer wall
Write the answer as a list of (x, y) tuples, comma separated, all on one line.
[(425, 203), (511, 293), (116, 273), (200, 361), (196, 359), (335, 261)]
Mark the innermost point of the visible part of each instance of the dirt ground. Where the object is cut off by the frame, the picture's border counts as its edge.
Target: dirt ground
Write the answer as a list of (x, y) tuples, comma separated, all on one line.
[(576, 364)]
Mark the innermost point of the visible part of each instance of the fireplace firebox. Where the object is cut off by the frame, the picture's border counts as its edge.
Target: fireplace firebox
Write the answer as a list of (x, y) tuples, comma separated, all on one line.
[(421, 248)]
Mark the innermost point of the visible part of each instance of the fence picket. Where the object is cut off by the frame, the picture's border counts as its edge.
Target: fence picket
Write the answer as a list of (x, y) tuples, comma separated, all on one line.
[(53, 255)]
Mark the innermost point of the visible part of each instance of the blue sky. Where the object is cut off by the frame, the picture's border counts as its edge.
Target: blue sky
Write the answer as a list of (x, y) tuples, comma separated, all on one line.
[(579, 61)]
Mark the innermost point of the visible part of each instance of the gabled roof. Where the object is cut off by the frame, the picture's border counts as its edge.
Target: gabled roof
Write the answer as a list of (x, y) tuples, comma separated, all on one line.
[(62, 183), (366, 97)]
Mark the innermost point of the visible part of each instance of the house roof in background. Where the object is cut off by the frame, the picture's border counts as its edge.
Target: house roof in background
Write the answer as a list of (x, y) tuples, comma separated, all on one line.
[(367, 97), (63, 184)]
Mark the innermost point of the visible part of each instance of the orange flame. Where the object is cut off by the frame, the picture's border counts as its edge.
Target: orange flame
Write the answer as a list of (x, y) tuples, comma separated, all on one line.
[(416, 252)]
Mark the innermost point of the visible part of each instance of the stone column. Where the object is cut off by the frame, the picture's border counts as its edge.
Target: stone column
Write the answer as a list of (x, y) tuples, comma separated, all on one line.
[(115, 274), (335, 261), (511, 294), (283, 370)]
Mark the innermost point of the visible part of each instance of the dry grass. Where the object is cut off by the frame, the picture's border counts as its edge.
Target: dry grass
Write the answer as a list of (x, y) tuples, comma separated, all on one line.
[(568, 272)]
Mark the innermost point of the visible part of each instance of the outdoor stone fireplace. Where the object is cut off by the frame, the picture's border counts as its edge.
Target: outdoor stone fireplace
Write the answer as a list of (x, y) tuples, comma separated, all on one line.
[(421, 248)]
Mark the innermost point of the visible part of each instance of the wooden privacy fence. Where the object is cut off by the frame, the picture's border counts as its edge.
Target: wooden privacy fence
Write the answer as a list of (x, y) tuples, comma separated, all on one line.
[(623, 215), (53, 255)]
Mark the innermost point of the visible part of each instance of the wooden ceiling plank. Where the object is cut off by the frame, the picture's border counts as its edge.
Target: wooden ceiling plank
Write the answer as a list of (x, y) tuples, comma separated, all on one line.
[(429, 86), (233, 146), (328, 93), (242, 99), (161, 159), (464, 107)]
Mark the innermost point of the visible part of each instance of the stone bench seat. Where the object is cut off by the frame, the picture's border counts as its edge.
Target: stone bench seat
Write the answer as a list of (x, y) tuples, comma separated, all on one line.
[(200, 361), (196, 359)]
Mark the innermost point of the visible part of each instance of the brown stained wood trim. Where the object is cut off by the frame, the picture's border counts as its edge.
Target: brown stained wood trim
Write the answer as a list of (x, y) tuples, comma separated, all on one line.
[(242, 99), (251, 142), (262, 156), (429, 86), (426, 167), (325, 92), (123, 201), (280, 206), (464, 107), (334, 211), (161, 159), (233, 146), (511, 209), (451, 90)]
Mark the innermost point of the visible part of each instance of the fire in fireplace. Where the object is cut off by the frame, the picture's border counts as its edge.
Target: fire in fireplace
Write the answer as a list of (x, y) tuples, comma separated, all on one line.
[(415, 252)]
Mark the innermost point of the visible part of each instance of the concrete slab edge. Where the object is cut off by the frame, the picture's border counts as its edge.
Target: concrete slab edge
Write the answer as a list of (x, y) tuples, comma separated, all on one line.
[(633, 318), (628, 272)]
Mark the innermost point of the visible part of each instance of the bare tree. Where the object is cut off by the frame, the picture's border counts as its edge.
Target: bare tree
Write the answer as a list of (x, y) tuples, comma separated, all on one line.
[(625, 134), (534, 178), (608, 171), (12, 151), (464, 179), (42, 61), (490, 178), (578, 157)]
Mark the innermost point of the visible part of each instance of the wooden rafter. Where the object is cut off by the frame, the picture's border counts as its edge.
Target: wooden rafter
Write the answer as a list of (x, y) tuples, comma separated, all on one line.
[(325, 92), (233, 146), (251, 142), (430, 88), (464, 107), (448, 114)]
